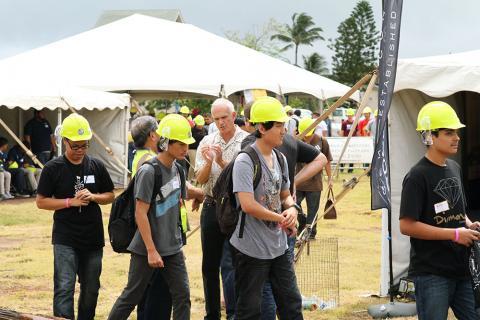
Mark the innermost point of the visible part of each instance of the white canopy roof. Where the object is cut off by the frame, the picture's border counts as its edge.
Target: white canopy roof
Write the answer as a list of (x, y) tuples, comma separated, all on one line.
[(440, 76), (39, 96), (144, 55)]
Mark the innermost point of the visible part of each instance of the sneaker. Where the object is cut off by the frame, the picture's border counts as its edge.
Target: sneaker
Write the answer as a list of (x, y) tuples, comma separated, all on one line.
[(3, 197), (8, 195), (23, 195)]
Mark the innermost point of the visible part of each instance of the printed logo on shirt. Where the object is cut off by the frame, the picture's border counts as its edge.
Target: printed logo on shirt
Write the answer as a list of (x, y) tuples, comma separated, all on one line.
[(171, 192), (450, 190)]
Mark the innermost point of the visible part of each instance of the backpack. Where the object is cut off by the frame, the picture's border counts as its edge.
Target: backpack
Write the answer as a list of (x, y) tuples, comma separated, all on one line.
[(227, 209), (121, 224)]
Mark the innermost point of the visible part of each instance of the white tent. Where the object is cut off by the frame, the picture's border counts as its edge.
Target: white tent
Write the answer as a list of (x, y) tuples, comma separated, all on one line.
[(107, 113), (455, 79), (149, 57)]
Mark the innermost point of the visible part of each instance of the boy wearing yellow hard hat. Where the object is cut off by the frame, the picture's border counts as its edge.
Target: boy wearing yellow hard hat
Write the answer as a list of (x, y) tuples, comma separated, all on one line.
[(74, 186), (269, 215), (157, 244), (433, 213)]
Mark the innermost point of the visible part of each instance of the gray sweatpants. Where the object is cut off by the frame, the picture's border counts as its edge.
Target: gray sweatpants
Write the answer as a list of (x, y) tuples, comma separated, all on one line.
[(139, 275)]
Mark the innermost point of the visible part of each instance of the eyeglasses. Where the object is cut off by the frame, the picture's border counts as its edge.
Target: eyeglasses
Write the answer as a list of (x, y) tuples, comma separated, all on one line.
[(76, 147)]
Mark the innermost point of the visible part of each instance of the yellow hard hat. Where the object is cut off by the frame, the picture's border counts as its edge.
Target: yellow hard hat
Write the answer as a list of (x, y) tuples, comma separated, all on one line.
[(199, 120), (185, 109), (176, 127), (160, 115), (133, 109), (304, 124), (288, 108), (76, 128), (129, 137), (367, 110), (242, 113), (438, 115), (350, 112), (266, 109)]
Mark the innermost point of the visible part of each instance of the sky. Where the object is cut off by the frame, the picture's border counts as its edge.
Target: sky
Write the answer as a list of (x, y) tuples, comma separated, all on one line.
[(429, 27)]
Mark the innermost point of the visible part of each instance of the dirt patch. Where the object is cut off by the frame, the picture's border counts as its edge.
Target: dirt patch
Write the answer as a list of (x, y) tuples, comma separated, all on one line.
[(9, 243)]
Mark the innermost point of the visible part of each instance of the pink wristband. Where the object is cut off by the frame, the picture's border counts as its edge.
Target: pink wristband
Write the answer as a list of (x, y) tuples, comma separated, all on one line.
[(67, 202), (457, 235)]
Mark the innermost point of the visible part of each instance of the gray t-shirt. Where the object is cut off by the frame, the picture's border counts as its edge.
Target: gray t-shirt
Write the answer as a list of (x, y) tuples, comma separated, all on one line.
[(261, 239), (163, 216)]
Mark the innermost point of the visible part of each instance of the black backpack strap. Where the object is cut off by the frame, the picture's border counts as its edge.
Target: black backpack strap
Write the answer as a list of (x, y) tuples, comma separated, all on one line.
[(257, 176), (158, 179), (281, 161), (257, 166), (183, 181)]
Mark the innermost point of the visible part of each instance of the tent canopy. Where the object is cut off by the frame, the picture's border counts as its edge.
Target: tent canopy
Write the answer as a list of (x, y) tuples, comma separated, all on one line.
[(440, 76), (145, 55), (39, 96)]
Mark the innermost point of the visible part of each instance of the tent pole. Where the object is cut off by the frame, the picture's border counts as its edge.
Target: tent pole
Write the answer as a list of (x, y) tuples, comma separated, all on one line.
[(125, 150), (59, 123), (20, 143), (357, 118), (337, 103)]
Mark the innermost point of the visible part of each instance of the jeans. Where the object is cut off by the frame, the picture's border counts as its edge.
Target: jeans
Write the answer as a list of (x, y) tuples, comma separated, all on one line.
[(68, 263), (250, 277), (43, 156), (313, 203), (157, 301), (434, 294), (269, 307), (228, 279), (139, 275), (212, 250), (18, 180)]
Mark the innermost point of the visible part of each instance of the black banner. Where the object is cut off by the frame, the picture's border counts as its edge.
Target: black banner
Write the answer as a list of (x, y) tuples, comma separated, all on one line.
[(380, 178)]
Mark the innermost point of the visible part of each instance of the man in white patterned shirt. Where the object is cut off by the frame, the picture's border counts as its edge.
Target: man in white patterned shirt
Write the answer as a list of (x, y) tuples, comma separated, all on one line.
[(215, 151)]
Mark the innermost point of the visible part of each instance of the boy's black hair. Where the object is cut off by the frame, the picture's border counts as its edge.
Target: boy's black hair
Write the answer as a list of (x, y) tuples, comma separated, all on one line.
[(267, 125), (297, 112), (3, 141)]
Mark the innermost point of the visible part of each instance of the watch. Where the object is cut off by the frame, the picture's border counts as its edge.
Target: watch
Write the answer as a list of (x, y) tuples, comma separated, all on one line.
[(296, 206)]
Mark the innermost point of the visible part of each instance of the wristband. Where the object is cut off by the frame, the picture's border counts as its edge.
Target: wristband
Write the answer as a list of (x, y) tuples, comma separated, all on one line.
[(457, 235), (67, 203)]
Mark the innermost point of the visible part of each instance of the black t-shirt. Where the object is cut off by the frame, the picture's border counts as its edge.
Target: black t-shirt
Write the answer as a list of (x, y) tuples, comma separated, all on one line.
[(60, 178), (427, 191), (39, 132), (293, 149), (198, 135)]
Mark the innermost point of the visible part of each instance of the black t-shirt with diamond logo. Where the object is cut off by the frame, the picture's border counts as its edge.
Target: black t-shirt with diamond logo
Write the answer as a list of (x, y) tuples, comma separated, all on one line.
[(434, 195), (80, 228)]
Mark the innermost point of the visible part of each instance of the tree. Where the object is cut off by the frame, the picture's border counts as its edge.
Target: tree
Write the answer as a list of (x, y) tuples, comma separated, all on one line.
[(302, 31), (315, 63), (260, 39), (356, 47)]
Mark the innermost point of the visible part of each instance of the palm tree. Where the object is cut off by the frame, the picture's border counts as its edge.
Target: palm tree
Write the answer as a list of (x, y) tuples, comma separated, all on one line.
[(315, 63), (300, 32)]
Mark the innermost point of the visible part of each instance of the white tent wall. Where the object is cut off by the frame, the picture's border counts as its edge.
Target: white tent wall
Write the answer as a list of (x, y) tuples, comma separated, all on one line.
[(109, 124), (406, 149)]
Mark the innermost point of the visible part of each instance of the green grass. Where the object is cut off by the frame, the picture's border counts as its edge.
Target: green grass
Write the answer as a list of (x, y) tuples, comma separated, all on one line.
[(26, 260)]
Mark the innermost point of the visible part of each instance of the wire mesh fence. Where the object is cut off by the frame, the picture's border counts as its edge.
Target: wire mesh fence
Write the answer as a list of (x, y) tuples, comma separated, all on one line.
[(317, 274)]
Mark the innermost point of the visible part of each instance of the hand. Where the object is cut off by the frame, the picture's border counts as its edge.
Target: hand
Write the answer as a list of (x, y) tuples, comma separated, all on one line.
[(290, 216), (218, 154), (467, 236), (154, 259), (207, 155), (85, 194), (475, 225), (76, 202), (196, 204)]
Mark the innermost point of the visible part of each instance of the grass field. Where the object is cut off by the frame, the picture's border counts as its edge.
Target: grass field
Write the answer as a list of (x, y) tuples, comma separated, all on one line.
[(26, 260)]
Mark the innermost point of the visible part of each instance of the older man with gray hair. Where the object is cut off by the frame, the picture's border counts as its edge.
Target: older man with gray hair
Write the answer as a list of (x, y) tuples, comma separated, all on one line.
[(215, 151)]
